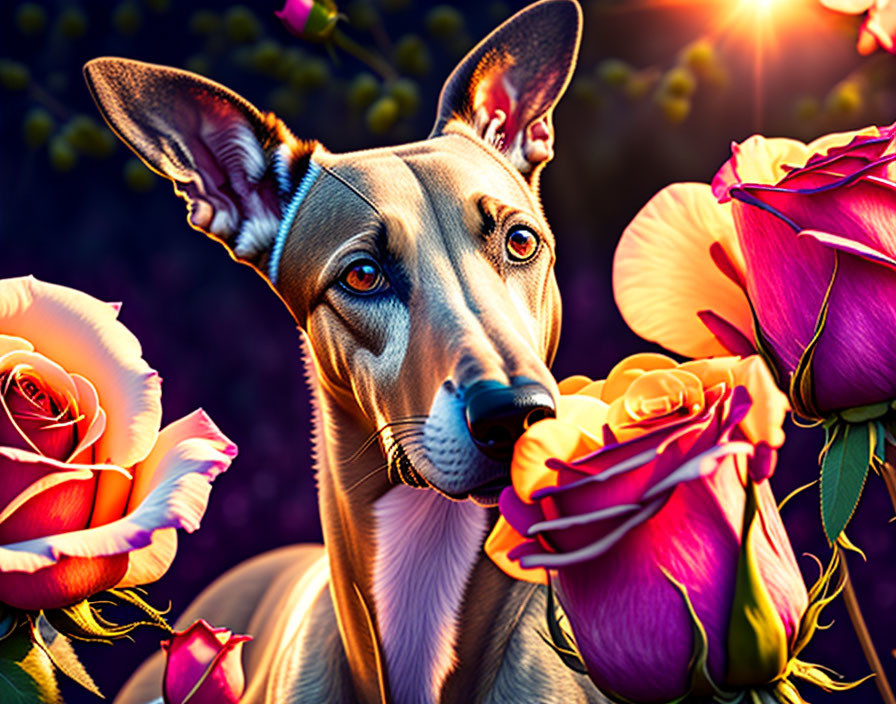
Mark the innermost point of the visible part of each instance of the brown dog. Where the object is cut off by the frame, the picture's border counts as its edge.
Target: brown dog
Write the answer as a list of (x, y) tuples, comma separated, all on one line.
[(422, 277)]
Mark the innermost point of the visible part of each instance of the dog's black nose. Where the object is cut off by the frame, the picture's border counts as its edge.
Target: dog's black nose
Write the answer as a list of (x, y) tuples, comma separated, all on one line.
[(497, 414)]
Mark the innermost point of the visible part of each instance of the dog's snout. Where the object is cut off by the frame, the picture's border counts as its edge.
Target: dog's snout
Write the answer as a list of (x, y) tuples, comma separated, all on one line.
[(497, 414)]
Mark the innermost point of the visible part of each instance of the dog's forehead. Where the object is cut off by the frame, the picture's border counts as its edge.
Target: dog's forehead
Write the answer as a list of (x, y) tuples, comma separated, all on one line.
[(450, 170)]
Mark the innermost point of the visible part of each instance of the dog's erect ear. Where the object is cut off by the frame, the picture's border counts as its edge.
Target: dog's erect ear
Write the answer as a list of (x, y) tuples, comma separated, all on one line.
[(235, 166), (507, 86)]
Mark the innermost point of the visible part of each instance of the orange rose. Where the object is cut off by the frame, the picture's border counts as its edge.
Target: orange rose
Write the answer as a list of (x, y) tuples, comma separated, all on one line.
[(91, 490)]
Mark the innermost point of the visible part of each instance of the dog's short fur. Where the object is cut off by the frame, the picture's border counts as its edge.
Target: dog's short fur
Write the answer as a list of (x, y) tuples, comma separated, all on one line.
[(402, 605)]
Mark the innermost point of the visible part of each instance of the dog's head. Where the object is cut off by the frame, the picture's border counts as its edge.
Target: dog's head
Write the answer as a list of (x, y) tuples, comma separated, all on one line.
[(422, 274)]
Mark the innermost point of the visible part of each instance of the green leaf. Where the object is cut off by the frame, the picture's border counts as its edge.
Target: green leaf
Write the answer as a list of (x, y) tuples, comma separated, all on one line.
[(860, 414), (757, 643), (843, 472), (26, 673), (59, 649)]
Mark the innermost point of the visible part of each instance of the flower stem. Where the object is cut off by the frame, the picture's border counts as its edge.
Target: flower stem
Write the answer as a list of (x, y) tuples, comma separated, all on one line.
[(374, 61), (861, 629)]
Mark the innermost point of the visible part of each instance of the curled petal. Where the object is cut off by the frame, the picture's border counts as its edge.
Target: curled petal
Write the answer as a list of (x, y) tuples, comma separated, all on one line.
[(503, 539), (177, 500), (758, 160)]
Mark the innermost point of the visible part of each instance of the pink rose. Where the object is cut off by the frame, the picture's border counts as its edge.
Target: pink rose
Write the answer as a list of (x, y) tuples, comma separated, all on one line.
[(203, 666), (646, 497), (91, 490)]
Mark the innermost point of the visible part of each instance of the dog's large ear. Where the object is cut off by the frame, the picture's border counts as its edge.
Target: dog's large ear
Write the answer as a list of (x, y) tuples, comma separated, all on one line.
[(235, 166), (507, 86)]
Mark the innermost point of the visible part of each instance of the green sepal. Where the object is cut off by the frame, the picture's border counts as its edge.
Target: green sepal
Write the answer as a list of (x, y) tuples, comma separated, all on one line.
[(757, 642), (802, 386), (561, 641), (849, 451), (321, 21), (85, 620), (59, 650), (26, 672), (763, 347), (861, 414), (701, 682)]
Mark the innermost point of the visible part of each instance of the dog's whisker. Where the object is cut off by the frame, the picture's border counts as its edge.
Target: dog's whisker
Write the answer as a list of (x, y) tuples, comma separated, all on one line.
[(409, 420), (373, 472)]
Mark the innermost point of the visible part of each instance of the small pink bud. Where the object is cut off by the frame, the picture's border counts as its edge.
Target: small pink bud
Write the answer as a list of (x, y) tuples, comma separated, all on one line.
[(313, 20), (203, 666)]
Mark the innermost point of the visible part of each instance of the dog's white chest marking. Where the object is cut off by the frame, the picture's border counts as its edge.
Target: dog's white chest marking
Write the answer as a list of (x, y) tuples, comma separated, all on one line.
[(426, 549)]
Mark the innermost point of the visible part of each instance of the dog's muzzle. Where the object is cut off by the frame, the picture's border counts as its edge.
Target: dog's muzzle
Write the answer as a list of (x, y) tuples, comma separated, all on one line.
[(498, 414)]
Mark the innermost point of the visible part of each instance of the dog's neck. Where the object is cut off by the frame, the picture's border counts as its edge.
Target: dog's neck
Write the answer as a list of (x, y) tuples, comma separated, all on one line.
[(414, 593)]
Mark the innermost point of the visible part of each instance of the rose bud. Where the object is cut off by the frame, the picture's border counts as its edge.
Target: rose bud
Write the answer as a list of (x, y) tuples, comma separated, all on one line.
[(646, 501), (203, 666), (312, 20)]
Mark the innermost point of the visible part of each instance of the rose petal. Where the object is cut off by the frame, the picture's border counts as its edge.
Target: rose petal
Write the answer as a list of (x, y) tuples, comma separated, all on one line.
[(83, 336), (56, 503), (63, 582), (849, 368), (881, 24), (195, 427), (36, 432), (765, 418), (93, 418), (10, 343), (777, 563), (776, 260), (664, 273), (177, 500), (758, 160), (851, 7), (625, 372), (548, 438), (500, 542), (149, 564)]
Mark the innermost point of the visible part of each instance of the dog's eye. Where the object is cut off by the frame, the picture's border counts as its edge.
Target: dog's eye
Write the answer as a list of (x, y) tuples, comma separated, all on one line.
[(363, 276), (522, 244)]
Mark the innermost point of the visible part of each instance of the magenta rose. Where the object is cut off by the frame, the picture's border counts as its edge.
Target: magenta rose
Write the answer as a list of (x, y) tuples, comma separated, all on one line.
[(646, 502), (91, 488), (203, 666), (802, 235)]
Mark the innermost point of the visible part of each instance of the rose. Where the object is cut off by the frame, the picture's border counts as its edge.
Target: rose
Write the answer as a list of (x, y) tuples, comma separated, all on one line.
[(803, 234), (314, 20), (879, 27), (203, 666), (646, 497), (91, 491)]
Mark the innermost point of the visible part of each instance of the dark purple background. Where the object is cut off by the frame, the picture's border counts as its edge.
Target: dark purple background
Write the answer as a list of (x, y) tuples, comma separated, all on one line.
[(222, 341)]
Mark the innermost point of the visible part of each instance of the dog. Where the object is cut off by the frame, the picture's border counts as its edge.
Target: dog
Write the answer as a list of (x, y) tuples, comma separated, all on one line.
[(421, 277)]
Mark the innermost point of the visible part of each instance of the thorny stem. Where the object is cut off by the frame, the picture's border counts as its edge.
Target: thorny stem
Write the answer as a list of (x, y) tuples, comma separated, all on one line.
[(861, 629)]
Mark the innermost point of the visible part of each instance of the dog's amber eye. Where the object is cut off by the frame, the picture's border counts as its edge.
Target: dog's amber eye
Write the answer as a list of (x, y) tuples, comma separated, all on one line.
[(522, 244), (364, 276)]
